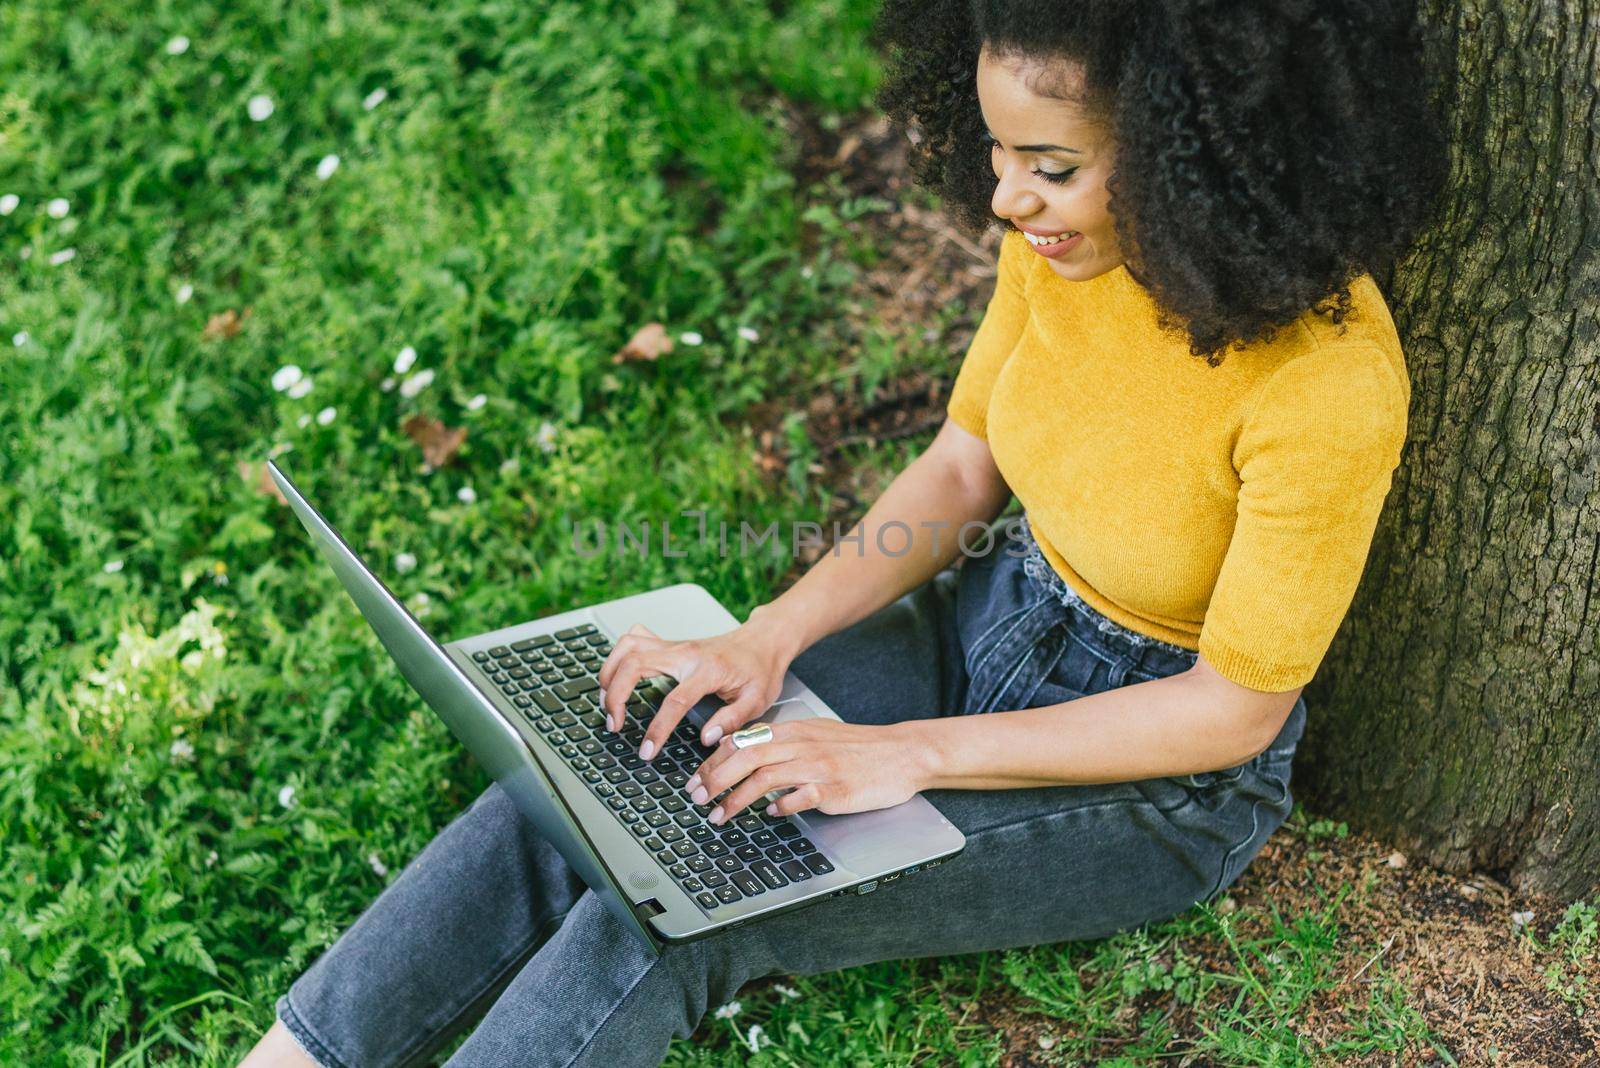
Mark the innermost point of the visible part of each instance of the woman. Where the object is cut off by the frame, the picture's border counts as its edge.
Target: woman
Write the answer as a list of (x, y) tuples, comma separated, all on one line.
[(1198, 396)]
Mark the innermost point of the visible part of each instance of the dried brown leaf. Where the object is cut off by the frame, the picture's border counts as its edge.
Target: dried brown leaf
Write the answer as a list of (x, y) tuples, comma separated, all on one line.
[(225, 324), (260, 480), (648, 342), (439, 443)]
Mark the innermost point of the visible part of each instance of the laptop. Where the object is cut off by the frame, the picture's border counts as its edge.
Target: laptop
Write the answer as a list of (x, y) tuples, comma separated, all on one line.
[(522, 700)]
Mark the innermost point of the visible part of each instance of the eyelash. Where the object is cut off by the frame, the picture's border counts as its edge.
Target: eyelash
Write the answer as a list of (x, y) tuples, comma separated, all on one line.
[(1057, 178)]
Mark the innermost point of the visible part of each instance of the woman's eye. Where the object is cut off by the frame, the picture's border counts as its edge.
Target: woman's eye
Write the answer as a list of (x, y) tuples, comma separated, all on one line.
[(1057, 177)]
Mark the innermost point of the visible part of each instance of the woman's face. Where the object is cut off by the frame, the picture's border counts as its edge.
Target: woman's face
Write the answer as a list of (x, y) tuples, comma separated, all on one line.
[(1052, 161)]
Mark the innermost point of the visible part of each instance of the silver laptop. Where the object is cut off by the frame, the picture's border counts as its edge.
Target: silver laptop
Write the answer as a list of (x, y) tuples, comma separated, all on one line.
[(522, 701)]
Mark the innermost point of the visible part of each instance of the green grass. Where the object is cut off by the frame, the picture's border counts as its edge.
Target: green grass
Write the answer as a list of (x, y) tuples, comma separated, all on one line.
[(207, 764)]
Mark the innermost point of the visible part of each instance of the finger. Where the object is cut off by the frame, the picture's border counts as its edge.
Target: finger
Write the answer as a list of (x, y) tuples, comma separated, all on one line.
[(730, 765), (696, 684), (636, 665), (635, 637), (733, 715), (806, 795), (763, 780)]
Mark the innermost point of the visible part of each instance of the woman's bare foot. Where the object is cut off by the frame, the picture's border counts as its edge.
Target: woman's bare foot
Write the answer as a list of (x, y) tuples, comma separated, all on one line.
[(277, 1049)]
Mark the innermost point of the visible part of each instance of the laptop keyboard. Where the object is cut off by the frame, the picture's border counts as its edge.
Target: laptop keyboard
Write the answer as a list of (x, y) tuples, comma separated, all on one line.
[(551, 679)]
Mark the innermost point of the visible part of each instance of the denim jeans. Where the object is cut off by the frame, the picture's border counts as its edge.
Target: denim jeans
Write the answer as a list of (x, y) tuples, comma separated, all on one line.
[(489, 918)]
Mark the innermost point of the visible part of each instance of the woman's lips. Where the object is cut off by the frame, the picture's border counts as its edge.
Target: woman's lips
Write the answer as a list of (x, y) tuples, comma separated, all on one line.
[(1059, 248)]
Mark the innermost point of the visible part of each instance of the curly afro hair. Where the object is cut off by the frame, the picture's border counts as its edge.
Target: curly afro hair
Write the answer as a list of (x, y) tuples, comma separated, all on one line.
[(1301, 129)]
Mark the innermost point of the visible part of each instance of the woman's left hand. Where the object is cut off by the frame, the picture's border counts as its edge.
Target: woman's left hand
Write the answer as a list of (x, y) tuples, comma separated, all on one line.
[(830, 765)]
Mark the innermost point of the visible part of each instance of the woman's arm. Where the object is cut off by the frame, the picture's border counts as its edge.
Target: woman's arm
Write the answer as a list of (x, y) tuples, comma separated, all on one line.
[(1186, 723), (954, 481), (1183, 724)]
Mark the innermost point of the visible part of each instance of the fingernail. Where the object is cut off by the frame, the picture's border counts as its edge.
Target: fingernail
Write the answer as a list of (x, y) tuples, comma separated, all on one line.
[(716, 815), (772, 809), (611, 722), (694, 780), (699, 795), (713, 735), (647, 750)]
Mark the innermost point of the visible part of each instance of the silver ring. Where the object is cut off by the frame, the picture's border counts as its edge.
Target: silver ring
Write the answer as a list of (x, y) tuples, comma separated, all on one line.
[(754, 735)]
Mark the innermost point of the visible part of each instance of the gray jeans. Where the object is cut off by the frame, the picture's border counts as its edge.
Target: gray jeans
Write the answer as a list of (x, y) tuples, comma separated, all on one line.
[(490, 917)]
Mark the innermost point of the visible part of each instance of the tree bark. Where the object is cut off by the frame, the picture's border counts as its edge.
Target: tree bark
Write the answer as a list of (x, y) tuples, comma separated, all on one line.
[(1458, 712)]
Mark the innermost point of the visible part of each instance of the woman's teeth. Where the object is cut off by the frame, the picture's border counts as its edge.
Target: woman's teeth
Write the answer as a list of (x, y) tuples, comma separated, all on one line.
[(1034, 240)]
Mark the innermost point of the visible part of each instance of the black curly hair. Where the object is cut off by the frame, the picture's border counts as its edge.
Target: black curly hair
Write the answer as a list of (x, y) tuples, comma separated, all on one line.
[(1302, 129)]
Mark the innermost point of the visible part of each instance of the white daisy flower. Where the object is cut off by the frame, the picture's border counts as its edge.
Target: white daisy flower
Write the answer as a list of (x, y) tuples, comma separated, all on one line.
[(304, 421), (417, 382), (300, 388), (387, 385), (327, 415), (182, 749), (58, 208), (20, 338), (260, 107), (285, 376), (756, 1037), (377, 865), (466, 494), (374, 98), (326, 166), (178, 45), (405, 562), (728, 1011), (690, 337), (510, 466), (545, 436), (748, 333), (404, 359), (26, 253), (477, 402), (1521, 919), (8, 203), (112, 567), (286, 797), (807, 272), (786, 992), (66, 255), (211, 859), (184, 294)]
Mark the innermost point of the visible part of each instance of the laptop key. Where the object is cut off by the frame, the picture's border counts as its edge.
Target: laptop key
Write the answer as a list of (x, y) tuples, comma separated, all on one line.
[(603, 759), (730, 864), (749, 884), (481, 655), (656, 818), (640, 830), (550, 678), (747, 852), (706, 899), (568, 690), (678, 871), (699, 863), (802, 845), (817, 863), (617, 802), (747, 822), (630, 789), (613, 775), (764, 838), (669, 833), (564, 719), (685, 849), (521, 702), (777, 853), (692, 883), (713, 849), (768, 874), (785, 830), (713, 878), (666, 857), (795, 870), (646, 775), (657, 790), (511, 689), (654, 843), (498, 678), (728, 894), (565, 633)]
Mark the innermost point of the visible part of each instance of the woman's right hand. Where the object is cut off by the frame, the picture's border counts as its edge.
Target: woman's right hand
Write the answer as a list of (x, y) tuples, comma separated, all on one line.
[(744, 667)]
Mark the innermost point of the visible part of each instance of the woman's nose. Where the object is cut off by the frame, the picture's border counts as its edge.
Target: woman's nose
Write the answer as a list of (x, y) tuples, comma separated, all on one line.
[(1012, 200)]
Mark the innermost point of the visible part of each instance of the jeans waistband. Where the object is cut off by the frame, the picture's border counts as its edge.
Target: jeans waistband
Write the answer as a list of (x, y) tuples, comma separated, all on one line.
[(1114, 634)]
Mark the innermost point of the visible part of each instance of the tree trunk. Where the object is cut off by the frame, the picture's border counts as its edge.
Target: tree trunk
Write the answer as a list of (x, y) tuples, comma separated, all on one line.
[(1458, 712)]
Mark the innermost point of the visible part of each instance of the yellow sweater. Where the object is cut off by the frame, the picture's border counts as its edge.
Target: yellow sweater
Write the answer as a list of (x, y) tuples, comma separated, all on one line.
[(1226, 509)]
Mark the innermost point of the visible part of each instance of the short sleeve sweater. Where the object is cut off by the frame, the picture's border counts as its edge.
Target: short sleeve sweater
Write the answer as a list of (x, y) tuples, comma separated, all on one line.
[(1227, 509)]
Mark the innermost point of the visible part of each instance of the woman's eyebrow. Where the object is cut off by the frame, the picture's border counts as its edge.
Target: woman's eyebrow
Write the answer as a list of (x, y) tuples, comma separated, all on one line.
[(1035, 148)]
